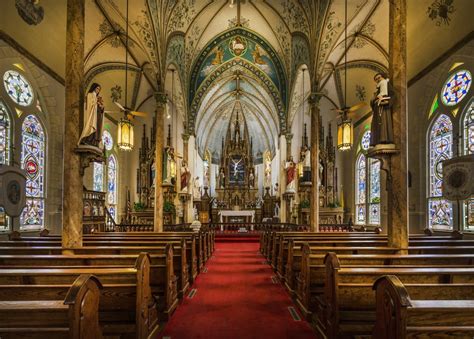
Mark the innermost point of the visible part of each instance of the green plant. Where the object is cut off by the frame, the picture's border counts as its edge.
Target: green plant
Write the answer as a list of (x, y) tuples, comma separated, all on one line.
[(138, 206), (333, 205), (304, 204), (169, 207)]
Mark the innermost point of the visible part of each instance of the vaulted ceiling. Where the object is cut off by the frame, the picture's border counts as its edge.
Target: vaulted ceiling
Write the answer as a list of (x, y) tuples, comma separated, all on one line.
[(184, 35)]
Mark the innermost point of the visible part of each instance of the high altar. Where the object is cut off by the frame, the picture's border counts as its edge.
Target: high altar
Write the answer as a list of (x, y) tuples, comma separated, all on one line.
[(236, 183)]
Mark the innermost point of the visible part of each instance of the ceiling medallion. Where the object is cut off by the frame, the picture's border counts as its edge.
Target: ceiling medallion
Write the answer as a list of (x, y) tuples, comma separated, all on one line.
[(439, 11), (238, 45)]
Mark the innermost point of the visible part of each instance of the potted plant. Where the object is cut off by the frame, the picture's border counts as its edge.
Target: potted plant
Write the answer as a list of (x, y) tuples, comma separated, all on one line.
[(169, 207), (138, 206)]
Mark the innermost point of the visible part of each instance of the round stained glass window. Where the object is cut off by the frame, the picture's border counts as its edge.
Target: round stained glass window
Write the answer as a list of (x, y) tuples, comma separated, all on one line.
[(18, 88), (456, 88), (365, 142), (107, 140)]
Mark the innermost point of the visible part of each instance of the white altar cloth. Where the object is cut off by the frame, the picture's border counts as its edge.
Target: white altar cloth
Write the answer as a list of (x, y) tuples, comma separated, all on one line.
[(237, 214)]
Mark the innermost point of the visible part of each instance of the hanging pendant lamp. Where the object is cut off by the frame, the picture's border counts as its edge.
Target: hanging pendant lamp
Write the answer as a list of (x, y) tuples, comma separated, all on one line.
[(125, 126), (344, 126)]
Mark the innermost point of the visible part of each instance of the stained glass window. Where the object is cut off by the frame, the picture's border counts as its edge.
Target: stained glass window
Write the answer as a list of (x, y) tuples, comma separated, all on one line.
[(112, 185), (367, 185), (98, 184), (440, 149), (468, 129), (456, 88), (33, 161), (18, 88), (4, 156), (365, 142), (4, 135), (107, 140), (361, 184), (374, 193)]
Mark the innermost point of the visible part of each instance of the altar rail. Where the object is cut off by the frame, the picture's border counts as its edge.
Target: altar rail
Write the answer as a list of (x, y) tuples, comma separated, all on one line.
[(236, 226)]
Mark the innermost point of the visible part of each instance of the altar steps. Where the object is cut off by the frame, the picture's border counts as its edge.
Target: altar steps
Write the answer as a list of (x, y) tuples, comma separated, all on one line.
[(234, 236)]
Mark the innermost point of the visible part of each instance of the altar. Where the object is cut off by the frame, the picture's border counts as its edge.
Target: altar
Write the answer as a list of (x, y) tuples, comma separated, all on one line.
[(237, 216)]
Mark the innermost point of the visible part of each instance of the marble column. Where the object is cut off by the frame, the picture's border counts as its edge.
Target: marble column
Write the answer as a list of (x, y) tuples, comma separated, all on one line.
[(289, 138), (314, 201), (160, 98), (74, 108), (185, 137), (282, 178), (398, 202)]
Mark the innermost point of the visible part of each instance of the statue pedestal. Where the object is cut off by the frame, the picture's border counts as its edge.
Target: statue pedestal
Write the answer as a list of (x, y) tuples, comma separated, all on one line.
[(89, 154)]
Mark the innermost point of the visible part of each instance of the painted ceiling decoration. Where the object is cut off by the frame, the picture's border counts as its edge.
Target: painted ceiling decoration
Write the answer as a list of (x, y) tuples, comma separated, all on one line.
[(238, 47)]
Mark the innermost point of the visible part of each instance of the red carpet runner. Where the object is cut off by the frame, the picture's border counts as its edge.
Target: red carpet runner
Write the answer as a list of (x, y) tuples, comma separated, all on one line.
[(236, 298)]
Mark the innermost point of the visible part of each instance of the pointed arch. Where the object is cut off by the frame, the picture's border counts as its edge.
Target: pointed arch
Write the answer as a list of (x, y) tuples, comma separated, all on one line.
[(5, 134)]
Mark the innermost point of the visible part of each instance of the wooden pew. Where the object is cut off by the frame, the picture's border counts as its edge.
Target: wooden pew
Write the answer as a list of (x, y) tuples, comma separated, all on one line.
[(195, 252), (179, 265), (76, 316), (312, 270), (400, 313), (295, 254), (162, 277), (127, 305), (347, 306)]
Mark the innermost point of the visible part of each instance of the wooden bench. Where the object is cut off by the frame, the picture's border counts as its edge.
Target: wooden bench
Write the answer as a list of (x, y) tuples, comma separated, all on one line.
[(162, 277), (294, 262), (179, 265), (312, 270), (76, 316), (400, 313), (184, 250), (126, 307), (347, 305)]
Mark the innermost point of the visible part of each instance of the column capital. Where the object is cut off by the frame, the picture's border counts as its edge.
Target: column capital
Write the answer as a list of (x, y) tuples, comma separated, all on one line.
[(185, 137), (314, 98), (289, 136), (161, 98)]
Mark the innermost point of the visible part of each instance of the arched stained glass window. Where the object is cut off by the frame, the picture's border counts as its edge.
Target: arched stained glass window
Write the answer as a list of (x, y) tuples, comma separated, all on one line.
[(374, 191), (365, 142), (456, 88), (5, 131), (367, 185), (98, 184), (468, 132), (33, 161), (361, 184), (440, 148), (107, 140), (112, 185)]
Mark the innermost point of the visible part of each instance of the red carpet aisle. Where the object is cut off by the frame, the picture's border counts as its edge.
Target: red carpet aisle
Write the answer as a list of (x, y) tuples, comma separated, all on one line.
[(236, 298)]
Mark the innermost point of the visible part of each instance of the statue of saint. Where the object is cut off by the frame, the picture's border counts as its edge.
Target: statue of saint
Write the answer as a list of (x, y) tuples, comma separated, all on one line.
[(290, 168), (196, 189), (268, 174), (251, 179), (221, 178), (306, 157), (169, 166), (276, 190), (185, 176), (382, 125), (93, 116)]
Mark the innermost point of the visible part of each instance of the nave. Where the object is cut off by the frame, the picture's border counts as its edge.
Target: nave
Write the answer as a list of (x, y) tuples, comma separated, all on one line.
[(238, 296)]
